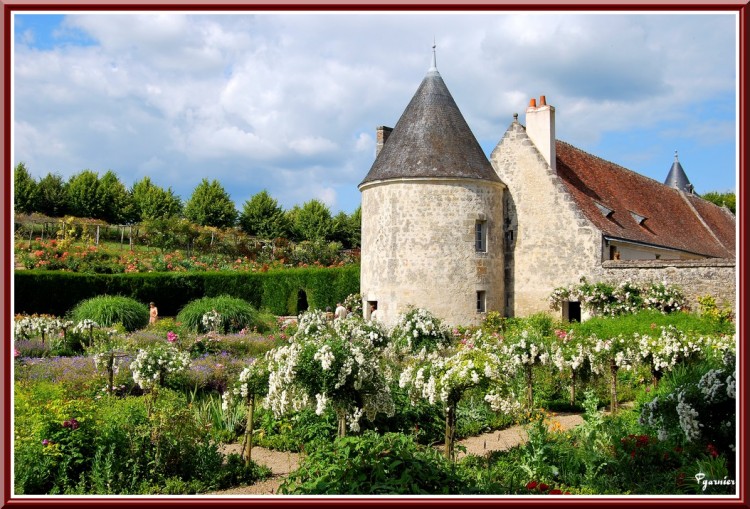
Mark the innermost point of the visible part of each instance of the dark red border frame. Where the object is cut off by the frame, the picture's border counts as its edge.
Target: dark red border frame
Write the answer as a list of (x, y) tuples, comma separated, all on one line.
[(10, 6)]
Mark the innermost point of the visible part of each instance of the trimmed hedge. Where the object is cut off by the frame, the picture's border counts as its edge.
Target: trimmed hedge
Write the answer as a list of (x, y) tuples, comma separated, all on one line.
[(57, 292)]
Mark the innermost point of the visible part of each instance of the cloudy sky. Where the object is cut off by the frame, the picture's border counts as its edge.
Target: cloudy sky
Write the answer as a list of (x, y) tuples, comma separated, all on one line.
[(290, 102)]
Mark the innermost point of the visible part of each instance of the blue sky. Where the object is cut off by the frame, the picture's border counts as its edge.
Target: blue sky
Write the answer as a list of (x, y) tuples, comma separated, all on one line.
[(290, 102)]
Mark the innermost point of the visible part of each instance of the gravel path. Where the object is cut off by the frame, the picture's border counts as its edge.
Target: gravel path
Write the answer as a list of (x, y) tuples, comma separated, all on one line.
[(282, 463)]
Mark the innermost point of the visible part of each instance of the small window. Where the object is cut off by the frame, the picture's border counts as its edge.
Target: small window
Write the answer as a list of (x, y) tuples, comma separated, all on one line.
[(480, 236), (571, 311), (481, 301)]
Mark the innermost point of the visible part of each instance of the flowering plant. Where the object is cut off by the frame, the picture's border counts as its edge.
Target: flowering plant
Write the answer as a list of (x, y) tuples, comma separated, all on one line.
[(443, 376), (698, 412), (151, 365), (418, 328), (329, 365), (626, 297), (211, 321)]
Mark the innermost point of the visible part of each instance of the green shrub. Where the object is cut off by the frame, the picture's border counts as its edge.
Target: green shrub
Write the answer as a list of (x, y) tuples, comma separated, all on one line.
[(235, 315), (107, 310), (371, 464), (116, 446)]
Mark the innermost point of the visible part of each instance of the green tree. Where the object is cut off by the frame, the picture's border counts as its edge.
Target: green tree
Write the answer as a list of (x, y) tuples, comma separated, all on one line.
[(727, 199), (150, 201), (263, 217), (346, 229), (312, 221), (53, 196), (116, 201), (355, 228), (25, 190), (84, 195), (210, 205)]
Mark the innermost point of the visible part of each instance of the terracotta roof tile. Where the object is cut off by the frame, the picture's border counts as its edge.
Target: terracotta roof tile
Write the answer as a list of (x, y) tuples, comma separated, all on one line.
[(642, 209)]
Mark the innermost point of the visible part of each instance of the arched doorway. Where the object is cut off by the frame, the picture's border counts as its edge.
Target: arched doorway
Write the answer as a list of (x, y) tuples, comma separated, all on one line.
[(301, 301)]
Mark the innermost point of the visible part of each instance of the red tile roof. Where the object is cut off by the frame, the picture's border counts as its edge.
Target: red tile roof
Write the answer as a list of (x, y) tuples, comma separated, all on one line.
[(673, 219)]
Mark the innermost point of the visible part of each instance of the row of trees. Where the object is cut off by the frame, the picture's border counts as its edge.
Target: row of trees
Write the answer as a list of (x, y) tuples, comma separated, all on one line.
[(87, 195)]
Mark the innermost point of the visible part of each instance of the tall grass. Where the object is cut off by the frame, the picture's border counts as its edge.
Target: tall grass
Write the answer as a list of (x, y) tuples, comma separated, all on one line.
[(236, 314), (107, 310)]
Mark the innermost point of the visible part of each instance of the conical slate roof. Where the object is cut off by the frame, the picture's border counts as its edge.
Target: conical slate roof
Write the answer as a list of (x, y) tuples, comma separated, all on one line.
[(431, 140), (677, 177)]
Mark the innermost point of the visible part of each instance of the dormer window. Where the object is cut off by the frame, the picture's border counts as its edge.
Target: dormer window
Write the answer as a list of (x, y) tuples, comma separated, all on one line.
[(638, 218), (606, 211)]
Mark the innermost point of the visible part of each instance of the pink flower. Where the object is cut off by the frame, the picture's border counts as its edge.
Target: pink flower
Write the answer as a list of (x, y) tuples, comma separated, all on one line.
[(46, 442), (171, 337), (16, 352)]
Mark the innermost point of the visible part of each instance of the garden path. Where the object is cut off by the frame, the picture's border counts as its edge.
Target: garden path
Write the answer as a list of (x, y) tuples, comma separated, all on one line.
[(282, 463)]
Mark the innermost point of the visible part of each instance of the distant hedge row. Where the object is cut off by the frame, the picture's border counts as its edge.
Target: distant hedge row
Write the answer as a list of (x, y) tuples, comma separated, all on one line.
[(282, 292)]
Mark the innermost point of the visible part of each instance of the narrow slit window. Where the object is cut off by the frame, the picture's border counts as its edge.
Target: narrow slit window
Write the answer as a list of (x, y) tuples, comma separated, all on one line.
[(481, 301), (480, 236)]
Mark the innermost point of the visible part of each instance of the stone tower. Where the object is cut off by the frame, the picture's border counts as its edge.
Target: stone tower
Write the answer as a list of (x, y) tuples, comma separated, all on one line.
[(432, 216)]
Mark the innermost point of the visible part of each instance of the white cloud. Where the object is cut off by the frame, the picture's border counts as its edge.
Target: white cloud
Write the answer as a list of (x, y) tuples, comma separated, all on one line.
[(291, 102)]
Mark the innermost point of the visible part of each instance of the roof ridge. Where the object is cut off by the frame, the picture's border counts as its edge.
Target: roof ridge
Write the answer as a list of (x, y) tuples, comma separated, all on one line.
[(619, 166)]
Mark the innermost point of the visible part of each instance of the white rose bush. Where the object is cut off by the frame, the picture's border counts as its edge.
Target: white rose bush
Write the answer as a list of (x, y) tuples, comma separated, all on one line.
[(441, 377), (326, 365)]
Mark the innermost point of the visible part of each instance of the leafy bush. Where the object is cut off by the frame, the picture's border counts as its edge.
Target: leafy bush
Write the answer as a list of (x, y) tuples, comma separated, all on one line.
[(417, 328), (117, 446), (234, 314), (371, 464), (108, 310)]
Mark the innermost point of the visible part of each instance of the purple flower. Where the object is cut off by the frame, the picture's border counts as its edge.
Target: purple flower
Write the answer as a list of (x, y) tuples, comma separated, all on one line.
[(46, 442)]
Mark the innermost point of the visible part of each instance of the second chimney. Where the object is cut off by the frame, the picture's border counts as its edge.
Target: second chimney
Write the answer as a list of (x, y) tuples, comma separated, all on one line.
[(540, 127), (382, 133)]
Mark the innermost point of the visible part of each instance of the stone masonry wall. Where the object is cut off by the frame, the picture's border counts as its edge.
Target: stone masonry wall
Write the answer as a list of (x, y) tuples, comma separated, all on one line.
[(696, 278), (418, 248), (549, 242)]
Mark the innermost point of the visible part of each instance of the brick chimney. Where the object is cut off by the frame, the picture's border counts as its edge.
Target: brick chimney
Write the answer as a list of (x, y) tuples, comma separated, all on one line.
[(540, 127), (381, 137)]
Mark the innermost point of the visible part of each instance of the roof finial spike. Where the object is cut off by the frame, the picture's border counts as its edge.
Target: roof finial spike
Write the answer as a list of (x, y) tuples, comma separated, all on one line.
[(434, 58), (675, 156)]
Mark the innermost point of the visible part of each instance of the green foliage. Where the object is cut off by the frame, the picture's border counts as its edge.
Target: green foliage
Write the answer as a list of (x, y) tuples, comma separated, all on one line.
[(263, 217), (312, 221), (210, 205), (645, 322), (116, 201), (108, 310), (52, 199), (727, 199), (417, 328), (151, 202), (25, 190), (710, 310), (235, 314), (37, 291), (117, 446), (605, 299), (346, 229), (371, 464), (85, 196)]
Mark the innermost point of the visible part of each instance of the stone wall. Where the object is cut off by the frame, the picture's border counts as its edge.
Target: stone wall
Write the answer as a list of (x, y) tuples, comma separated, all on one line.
[(418, 247), (696, 278), (549, 242)]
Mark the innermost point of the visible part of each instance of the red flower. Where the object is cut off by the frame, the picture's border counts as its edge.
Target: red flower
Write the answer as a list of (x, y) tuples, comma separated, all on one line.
[(712, 450), (555, 492), (531, 485), (543, 487)]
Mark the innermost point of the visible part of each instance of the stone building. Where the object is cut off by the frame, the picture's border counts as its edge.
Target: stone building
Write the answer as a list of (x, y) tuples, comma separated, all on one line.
[(447, 229)]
